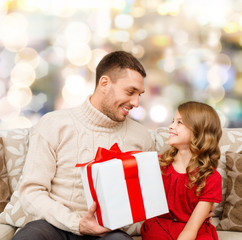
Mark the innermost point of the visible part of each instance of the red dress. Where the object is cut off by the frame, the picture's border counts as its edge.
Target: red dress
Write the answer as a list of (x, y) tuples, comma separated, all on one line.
[(181, 202)]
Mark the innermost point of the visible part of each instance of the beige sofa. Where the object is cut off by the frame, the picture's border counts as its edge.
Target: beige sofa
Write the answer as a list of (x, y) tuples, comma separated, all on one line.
[(14, 146)]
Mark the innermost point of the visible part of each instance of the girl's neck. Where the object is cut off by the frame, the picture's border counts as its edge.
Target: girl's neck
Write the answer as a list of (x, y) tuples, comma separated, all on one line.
[(181, 160)]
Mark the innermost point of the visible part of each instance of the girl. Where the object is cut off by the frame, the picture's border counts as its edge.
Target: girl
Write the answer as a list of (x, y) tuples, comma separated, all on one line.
[(191, 182)]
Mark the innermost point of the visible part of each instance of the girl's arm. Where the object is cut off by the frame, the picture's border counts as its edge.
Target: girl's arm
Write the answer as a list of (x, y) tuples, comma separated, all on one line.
[(200, 213)]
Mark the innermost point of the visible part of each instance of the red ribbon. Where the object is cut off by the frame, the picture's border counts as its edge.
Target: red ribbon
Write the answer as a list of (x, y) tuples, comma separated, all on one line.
[(131, 176)]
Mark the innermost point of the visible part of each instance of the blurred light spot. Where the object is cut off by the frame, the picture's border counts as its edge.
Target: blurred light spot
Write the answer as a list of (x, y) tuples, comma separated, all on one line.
[(28, 5), (77, 32), (161, 40), (138, 12), (124, 21), (140, 34), (22, 75), (19, 122), (42, 69), (168, 8), (223, 119), (13, 25), (119, 36), (75, 84), (180, 37), (128, 46), (7, 111), (138, 51), (76, 99), (174, 90), (97, 55), (14, 44), (79, 55), (6, 63), (28, 55), (2, 88), (53, 55), (158, 113), (215, 93), (217, 76), (3, 7), (118, 4), (138, 113), (19, 97), (231, 27)]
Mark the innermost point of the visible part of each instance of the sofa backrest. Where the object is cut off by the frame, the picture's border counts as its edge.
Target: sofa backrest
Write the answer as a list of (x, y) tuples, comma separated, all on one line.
[(15, 145)]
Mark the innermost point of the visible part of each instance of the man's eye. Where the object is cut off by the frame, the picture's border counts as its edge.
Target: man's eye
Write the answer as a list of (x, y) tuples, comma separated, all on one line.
[(130, 92)]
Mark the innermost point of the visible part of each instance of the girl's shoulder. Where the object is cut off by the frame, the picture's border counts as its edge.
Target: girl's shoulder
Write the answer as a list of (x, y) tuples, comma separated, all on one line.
[(215, 176)]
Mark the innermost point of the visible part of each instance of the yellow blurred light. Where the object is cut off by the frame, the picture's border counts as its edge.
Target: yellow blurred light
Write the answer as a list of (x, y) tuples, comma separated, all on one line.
[(28, 5), (28, 55), (118, 4), (168, 8), (23, 75), (97, 55), (138, 12), (161, 40), (231, 27), (3, 7), (124, 21), (19, 97), (79, 54)]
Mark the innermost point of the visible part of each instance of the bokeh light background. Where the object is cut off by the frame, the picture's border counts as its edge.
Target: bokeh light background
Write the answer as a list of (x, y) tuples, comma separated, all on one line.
[(191, 49)]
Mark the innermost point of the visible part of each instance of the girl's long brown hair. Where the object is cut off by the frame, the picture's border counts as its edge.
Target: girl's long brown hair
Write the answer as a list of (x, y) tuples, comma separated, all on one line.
[(204, 123)]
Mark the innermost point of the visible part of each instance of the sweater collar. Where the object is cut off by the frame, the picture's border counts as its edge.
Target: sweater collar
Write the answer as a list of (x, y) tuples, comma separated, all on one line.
[(95, 119)]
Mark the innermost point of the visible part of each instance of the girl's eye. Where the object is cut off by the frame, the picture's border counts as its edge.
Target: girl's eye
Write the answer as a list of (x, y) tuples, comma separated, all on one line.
[(180, 122)]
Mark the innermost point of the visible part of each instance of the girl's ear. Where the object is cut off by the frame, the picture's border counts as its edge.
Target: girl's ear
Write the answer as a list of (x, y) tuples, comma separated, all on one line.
[(104, 83)]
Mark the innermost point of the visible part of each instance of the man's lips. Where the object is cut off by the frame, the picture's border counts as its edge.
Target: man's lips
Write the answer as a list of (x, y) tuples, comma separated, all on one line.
[(126, 110)]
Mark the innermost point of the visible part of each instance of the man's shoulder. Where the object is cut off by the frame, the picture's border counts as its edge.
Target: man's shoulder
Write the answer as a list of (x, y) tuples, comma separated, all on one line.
[(137, 126)]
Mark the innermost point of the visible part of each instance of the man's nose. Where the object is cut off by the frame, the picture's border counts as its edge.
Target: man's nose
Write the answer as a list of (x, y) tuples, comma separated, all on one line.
[(135, 101)]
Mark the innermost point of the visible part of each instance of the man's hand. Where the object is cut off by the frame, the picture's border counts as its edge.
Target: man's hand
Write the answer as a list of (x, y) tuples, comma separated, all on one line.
[(88, 224)]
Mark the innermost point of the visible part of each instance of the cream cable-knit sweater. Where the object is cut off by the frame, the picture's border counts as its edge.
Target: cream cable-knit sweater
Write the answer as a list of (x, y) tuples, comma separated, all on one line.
[(52, 188)]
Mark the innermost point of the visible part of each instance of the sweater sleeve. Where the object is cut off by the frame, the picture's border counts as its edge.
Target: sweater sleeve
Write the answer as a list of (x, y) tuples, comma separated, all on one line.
[(38, 173)]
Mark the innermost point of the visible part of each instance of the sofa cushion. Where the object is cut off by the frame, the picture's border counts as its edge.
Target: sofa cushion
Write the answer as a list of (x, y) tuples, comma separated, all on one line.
[(15, 145), (231, 217), (4, 188)]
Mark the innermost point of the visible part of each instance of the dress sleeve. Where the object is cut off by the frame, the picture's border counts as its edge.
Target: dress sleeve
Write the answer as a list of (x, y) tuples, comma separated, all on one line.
[(212, 192)]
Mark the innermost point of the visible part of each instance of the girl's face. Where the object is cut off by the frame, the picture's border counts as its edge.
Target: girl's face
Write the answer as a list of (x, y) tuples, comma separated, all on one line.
[(180, 135)]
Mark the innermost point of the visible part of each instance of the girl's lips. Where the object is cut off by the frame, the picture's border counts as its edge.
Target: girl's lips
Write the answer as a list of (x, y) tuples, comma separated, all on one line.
[(172, 134)]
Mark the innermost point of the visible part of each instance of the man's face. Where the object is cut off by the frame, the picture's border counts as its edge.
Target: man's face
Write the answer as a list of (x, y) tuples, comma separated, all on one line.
[(123, 95)]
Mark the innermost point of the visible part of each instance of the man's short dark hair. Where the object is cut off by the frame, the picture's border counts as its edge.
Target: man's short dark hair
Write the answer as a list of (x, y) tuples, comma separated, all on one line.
[(118, 60)]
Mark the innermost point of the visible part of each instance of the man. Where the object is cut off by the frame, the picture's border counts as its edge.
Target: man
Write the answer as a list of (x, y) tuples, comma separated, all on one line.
[(52, 188)]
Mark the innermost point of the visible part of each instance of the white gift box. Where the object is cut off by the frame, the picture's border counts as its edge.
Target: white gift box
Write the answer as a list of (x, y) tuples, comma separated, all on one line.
[(108, 179)]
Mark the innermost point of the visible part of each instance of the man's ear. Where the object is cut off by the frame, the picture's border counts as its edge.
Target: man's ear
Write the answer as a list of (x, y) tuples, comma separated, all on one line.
[(104, 83)]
